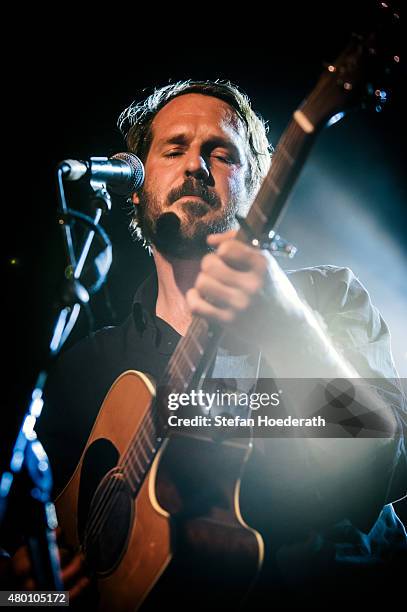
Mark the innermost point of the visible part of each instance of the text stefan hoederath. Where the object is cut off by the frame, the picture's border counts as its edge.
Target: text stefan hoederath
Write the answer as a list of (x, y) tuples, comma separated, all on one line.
[(224, 400)]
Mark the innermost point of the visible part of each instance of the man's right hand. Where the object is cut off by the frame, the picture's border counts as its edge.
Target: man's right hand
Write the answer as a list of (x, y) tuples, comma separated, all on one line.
[(73, 573)]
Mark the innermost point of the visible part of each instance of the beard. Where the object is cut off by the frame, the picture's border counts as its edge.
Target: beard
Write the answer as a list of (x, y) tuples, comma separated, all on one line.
[(184, 235)]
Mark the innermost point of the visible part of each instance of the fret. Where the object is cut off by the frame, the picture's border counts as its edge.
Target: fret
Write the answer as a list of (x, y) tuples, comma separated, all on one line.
[(273, 185), (131, 475), (286, 154), (191, 366), (256, 209), (141, 447), (148, 439), (197, 344), (174, 366), (137, 459)]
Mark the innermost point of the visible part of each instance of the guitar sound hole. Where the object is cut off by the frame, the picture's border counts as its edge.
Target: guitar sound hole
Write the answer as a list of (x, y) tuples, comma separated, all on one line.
[(109, 523)]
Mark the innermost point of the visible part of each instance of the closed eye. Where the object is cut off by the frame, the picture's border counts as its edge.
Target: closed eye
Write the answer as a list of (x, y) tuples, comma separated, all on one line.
[(223, 158), (176, 153)]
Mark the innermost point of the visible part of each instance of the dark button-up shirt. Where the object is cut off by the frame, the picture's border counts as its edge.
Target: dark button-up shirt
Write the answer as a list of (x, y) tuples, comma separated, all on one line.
[(338, 535)]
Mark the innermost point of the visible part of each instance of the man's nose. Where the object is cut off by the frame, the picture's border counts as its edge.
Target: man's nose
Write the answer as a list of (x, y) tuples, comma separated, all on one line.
[(197, 167)]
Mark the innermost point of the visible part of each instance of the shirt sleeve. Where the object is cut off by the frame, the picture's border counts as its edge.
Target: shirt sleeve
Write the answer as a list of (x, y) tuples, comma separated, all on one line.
[(330, 486), (354, 324), (362, 337)]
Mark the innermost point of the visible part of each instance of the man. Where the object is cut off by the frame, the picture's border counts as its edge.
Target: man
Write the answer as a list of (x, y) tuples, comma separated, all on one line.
[(205, 154)]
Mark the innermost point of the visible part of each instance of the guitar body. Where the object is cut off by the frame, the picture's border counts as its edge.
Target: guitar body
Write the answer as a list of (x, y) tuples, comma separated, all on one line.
[(181, 529)]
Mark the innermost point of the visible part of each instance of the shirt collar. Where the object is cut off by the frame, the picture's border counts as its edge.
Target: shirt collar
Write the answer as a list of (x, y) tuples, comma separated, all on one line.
[(145, 301), (163, 335)]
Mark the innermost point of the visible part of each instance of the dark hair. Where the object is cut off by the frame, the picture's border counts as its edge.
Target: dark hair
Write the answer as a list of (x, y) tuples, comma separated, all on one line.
[(135, 123)]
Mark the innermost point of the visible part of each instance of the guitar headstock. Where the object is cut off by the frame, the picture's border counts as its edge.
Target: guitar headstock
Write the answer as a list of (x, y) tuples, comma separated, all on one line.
[(362, 75)]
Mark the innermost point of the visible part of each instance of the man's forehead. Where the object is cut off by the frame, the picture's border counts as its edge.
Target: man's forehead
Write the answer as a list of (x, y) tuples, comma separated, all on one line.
[(198, 109)]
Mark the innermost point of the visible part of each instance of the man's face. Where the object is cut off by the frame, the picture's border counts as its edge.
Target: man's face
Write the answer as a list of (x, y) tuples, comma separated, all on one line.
[(196, 174)]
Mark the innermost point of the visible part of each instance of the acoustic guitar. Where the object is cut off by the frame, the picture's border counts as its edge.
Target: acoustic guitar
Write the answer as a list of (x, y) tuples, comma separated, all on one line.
[(155, 510)]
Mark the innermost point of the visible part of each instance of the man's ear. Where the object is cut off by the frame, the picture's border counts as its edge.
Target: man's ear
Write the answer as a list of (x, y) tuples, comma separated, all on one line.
[(135, 199)]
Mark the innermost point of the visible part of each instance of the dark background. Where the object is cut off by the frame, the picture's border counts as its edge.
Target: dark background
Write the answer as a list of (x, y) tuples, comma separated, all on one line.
[(65, 89)]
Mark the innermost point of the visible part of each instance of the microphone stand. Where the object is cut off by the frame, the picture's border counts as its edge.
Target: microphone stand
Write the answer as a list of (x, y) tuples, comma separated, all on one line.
[(29, 460)]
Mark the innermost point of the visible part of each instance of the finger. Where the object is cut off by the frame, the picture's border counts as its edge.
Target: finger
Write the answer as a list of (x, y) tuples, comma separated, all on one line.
[(65, 556), (21, 562), (28, 584), (242, 256), (219, 294), (211, 312), (79, 587), (213, 266), (216, 239), (73, 570)]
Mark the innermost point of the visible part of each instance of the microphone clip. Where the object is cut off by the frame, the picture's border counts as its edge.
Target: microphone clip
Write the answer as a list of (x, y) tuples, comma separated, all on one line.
[(99, 196)]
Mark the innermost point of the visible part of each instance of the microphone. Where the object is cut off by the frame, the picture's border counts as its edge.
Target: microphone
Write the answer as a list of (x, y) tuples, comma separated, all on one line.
[(123, 173)]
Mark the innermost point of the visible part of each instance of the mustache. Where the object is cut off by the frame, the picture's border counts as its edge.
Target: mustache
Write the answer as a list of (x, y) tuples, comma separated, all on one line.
[(191, 187)]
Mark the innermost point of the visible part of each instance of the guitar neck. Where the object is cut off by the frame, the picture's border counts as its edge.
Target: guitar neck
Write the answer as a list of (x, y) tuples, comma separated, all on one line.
[(289, 157)]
